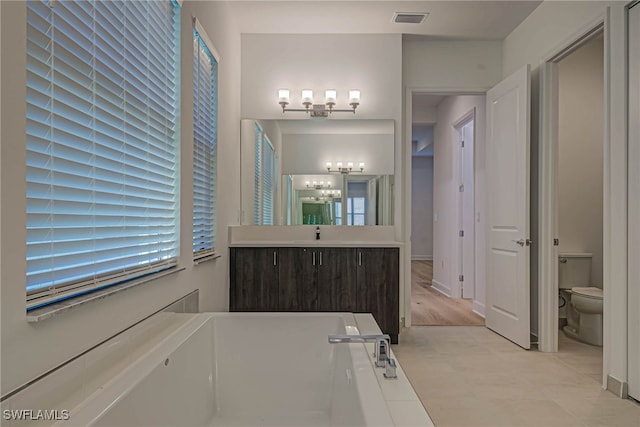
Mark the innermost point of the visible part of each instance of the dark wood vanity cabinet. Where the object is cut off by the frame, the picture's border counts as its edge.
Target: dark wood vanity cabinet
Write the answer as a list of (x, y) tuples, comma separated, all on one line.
[(254, 279), (337, 279), (378, 287)]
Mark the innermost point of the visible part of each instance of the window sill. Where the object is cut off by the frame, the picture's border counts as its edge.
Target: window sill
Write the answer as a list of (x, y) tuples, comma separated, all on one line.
[(206, 258), (49, 311)]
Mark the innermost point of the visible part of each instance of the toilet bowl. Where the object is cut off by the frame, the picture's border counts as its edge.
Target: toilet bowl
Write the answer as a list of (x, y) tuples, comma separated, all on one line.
[(585, 315), (580, 303)]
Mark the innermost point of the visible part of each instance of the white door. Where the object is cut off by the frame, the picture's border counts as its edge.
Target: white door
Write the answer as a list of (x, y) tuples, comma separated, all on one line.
[(467, 213), (634, 203), (507, 165)]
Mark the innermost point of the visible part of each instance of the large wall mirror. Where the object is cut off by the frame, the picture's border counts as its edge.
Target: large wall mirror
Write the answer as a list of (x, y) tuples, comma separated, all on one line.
[(317, 172)]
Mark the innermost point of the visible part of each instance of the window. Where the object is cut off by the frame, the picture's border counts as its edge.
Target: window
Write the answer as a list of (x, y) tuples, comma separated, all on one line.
[(265, 179), (257, 177), (101, 144), (269, 167), (356, 211), (205, 124)]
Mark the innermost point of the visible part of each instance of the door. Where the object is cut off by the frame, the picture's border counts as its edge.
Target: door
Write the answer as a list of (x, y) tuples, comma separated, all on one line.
[(466, 211), (507, 165), (254, 279), (337, 279), (634, 203), (377, 276), (297, 279)]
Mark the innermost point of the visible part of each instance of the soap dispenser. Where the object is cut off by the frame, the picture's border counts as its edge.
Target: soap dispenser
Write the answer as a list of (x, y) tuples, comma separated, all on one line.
[(317, 233)]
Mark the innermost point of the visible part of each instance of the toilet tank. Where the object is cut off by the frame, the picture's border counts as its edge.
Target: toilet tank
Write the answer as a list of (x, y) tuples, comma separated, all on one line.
[(574, 269)]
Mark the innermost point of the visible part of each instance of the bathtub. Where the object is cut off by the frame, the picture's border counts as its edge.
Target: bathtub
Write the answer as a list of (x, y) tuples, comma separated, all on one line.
[(245, 369)]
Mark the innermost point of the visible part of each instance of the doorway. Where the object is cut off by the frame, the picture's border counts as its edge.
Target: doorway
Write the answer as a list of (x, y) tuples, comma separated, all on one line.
[(443, 255), (571, 185)]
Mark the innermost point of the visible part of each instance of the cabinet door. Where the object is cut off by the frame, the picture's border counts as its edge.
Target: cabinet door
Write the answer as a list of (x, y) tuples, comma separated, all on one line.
[(378, 287), (337, 289), (297, 279), (254, 279)]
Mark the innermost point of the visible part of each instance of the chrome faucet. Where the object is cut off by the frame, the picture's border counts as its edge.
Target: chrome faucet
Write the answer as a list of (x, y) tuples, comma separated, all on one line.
[(381, 349)]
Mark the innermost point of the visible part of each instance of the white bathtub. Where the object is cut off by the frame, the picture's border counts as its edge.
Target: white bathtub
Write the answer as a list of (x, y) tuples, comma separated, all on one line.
[(244, 369)]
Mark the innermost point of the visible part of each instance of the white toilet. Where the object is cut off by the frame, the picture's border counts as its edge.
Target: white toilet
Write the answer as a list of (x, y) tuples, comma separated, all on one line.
[(581, 303)]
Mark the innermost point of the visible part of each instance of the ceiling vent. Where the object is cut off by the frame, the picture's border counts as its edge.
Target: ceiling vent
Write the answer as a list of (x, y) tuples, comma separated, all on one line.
[(409, 17)]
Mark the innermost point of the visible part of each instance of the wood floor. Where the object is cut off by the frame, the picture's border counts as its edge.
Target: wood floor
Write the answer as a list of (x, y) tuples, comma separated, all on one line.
[(431, 308)]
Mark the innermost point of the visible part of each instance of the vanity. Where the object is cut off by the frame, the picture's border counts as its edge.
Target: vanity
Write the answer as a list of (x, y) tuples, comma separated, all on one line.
[(317, 231), (317, 278)]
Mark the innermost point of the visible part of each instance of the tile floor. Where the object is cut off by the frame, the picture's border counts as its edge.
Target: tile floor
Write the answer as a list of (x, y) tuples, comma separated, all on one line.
[(470, 376)]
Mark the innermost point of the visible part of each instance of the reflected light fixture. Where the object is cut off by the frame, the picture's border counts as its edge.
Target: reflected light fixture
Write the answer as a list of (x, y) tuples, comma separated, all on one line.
[(319, 110), (318, 185), (346, 170)]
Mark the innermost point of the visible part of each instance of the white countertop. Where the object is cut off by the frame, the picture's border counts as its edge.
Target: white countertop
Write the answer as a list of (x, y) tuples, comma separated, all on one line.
[(315, 243)]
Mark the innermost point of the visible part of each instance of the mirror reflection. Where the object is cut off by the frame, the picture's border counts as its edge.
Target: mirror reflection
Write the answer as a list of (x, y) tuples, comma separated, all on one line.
[(317, 172)]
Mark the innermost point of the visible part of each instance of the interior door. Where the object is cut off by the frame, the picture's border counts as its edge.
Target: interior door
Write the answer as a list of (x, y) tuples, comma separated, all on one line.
[(508, 175), (468, 211)]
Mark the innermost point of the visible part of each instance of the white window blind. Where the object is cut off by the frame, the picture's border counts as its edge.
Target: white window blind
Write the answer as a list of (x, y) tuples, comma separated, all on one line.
[(205, 139), (268, 182), (102, 171), (257, 177)]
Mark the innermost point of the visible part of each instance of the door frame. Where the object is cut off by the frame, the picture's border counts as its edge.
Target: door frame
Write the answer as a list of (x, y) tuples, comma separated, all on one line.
[(458, 125), (547, 268), (633, 146), (405, 292)]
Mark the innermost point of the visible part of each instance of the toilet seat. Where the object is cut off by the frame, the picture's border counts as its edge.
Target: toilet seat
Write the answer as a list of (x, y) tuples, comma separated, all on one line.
[(588, 292)]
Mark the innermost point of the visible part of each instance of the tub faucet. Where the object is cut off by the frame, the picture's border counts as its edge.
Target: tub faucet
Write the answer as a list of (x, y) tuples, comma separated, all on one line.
[(381, 349)]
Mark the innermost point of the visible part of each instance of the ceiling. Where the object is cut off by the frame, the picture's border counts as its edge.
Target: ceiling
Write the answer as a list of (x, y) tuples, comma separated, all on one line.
[(476, 19)]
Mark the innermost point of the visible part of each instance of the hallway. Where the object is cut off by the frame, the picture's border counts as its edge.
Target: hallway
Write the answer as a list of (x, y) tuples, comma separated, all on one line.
[(431, 308)]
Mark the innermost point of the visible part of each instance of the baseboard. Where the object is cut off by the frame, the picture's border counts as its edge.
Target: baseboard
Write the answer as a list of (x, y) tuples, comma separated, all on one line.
[(444, 290), (421, 257), (617, 387), (478, 308)]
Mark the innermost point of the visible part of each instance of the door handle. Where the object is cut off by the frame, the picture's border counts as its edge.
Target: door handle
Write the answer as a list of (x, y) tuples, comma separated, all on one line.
[(313, 257), (320, 254), (523, 242)]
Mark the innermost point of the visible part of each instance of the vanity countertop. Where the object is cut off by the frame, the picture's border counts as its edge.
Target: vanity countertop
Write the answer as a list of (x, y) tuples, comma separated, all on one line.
[(315, 243)]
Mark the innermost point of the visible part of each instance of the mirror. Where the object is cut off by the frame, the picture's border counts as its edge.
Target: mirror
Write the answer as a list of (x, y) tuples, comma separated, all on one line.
[(317, 172)]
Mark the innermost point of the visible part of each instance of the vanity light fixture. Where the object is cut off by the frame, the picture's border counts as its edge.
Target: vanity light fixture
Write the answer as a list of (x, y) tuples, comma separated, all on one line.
[(346, 170), (319, 110), (318, 185)]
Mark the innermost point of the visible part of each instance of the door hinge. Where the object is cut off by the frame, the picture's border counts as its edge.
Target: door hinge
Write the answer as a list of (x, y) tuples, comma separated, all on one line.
[(461, 188), (556, 242), (461, 278), (462, 144), (461, 233)]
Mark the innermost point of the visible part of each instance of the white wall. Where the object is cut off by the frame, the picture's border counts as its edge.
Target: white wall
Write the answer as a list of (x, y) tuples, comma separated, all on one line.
[(28, 350), (451, 65), (580, 153), (369, 62), (422, 207), (445, 193), (548, 29), (309, 153)]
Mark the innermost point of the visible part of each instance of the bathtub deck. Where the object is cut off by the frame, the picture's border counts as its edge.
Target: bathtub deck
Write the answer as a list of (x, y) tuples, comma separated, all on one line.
[(310, 420)]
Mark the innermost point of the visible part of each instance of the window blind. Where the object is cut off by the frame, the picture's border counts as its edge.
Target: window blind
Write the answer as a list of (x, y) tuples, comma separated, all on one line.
[(101, 144), (257, 174), (268, 167), (205, 124)]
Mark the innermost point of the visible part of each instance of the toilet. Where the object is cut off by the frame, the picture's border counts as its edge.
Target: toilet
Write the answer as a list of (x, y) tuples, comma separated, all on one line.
[(580, 303)]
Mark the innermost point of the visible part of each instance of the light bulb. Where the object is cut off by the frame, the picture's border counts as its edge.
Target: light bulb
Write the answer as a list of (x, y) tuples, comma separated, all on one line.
[(283, 95), (354, 96), (307, 96)]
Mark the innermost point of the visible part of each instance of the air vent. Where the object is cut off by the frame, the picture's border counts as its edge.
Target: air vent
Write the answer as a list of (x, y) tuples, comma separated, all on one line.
[(409, 17)]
